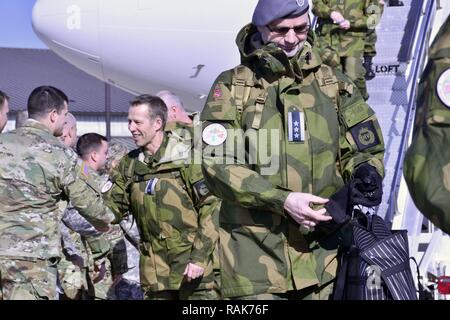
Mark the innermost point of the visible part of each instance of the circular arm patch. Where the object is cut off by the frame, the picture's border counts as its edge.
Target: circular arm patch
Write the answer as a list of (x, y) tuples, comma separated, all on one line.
[(443, 87), (214, 134), (107, 186)]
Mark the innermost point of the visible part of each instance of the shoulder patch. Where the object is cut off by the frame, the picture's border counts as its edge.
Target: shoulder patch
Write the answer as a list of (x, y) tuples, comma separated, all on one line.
[(217, 93), (151, 185), (85, 169), (365, 135), (214, 134), (443, 87)]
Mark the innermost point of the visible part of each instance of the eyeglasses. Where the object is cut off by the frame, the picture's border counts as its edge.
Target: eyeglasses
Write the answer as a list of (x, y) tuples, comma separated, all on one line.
[(282, 31)]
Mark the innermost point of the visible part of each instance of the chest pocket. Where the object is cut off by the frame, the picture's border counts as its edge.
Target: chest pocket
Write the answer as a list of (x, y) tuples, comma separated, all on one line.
[(167, 210)]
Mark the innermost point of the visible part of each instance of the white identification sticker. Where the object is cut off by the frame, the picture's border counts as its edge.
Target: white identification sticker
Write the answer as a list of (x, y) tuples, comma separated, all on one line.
[(107, 186), (214, 134), (443, 87)]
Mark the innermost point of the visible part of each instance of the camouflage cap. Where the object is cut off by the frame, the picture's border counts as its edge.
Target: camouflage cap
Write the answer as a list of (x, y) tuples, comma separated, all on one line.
[(267, 11)]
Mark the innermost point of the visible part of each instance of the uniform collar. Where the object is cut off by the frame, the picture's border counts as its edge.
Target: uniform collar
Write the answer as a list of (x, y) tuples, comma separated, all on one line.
[(146, 157), (32, 123), (271, 61)]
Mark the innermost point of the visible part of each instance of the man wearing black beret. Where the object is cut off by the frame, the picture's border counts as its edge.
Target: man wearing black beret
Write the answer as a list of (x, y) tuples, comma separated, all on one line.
[(282, 132)]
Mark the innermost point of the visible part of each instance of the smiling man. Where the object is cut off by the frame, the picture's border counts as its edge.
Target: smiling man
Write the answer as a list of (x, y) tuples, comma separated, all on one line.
[(166, 193), (272, 241), (38, 175)]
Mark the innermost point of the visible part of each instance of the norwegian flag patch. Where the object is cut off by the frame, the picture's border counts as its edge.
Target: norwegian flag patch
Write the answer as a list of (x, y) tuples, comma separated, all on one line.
[(217, 92)]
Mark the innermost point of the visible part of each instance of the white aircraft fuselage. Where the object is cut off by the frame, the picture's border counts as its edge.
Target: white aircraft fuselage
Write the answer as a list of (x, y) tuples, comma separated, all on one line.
[(144, 46)]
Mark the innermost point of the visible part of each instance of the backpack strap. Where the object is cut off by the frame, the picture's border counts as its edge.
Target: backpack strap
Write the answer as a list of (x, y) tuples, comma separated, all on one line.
[(129, 173), (259, 106), (242, 84)]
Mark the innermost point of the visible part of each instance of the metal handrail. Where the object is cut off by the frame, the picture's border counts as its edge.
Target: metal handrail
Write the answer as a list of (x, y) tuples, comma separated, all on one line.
[(417, 67)]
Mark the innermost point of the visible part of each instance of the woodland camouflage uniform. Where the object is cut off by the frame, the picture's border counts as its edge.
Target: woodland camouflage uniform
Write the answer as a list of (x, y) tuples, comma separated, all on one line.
[(262, 250), (427, 161)]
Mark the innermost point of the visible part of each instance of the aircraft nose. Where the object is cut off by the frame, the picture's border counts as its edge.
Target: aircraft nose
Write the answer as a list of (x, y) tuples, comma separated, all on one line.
[(70, 29)]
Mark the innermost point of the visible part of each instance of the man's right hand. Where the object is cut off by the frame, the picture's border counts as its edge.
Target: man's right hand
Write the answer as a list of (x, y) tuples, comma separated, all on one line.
[(297, 204)]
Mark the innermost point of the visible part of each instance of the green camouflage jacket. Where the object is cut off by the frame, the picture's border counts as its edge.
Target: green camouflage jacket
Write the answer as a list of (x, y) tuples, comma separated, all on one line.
[(362, 14), (286, 136), (37, 173), (427, 161), (173, 209)]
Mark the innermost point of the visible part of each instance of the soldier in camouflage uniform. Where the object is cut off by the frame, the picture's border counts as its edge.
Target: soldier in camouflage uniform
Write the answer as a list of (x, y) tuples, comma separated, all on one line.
[(128, 287), (343, 24), (69, 135), (37, 173), (96, 253), (370, 50), (281, 131), (4, 109), (427, 161), (72, 268), (165, 191), (104, 259), (82, 244), (177, 118)]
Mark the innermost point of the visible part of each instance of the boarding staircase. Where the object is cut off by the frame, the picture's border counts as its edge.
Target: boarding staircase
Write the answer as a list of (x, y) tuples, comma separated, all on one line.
[(402, 47)]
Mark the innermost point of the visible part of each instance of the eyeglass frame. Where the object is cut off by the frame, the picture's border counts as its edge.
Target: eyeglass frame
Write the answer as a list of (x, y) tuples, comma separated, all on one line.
[(305, 30)]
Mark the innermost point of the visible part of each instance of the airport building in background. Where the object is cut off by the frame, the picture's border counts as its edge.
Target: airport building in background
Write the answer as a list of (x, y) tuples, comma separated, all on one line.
[(90, 100)]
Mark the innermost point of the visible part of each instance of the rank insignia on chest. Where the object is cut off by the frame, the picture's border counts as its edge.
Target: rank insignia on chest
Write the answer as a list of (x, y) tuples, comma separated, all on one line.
[(296, 126), (151, 185)]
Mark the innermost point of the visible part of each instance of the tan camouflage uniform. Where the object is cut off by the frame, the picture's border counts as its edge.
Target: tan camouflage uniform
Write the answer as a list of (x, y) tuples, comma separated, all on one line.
[(427, 161), (37, 173), (128, 287), (72, 268), (262, 250), (103, 251)]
